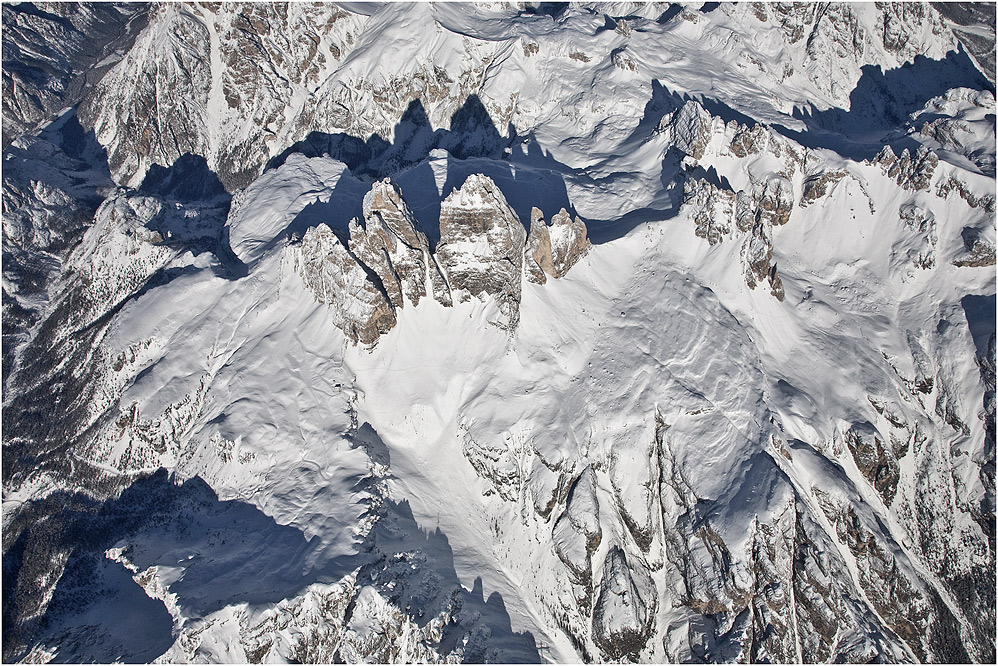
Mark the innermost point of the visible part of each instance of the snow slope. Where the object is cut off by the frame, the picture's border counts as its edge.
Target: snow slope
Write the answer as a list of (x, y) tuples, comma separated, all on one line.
[(751, 419)]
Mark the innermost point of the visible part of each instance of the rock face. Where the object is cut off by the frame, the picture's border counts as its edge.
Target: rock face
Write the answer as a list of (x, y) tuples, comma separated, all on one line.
[(980, 252), (481, 246), (136, 139), (387, 262), (52, 56), (577, 533), (552, 249), (910, 171), (876, 462), (340, 280), (712, 209), (661, 462), (719, 211), (229, 83), (49, 200), (220, 82), (816, 185), (689, 129), (625, 608), (392, 246), (775, 200), (757, 257)]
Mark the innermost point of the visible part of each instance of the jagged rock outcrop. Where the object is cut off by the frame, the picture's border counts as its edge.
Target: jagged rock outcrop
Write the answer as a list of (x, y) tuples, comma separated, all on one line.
[(912, 172), (875, 461), (980, 251), (220, 82), (922, 223), (577, 533), (715, 210), (387, 261), (712, 208), (895, 590), (774, 199), (723, 544), (360, 308), (481, 246), (750, 140), (689, 129), (816, 185), (945, 187), (552, 249), (834, 40), (52, 55), (228, 83), (134, 138), (391, 244), (757, 258), (625, 608)]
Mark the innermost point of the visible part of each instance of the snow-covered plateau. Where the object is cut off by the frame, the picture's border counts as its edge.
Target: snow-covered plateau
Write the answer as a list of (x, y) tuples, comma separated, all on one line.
[(498, 332)]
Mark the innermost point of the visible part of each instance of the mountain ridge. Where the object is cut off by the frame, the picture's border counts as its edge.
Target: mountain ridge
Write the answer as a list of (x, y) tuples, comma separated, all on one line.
[(629, 331)]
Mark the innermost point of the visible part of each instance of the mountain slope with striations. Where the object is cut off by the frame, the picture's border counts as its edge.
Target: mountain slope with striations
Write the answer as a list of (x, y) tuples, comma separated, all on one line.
[(498, 332)]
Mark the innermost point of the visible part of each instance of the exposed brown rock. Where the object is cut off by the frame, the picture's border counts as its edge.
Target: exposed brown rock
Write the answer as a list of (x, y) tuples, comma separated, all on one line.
[(757, 258), (553, 249), (987, 201), (359, 308), (625, 608), (713, 209), (481, 245), (689, 128), (391, 244), (748, 140), (816, 185), (775, 200), (875, 461), (980, 253), (912, 172)]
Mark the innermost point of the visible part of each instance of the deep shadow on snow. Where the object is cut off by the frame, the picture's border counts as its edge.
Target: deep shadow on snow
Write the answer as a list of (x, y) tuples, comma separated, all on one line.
[(189, 184), (526, 174), (230, 552), (881, 103), (415, 571), (472, 134)]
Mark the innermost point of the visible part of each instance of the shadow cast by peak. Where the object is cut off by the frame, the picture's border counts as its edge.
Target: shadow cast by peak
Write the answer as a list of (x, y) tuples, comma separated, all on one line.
[(229, 552), (673, 177), (69, 135), (74, 163), (344, 203), (552, 9), (882, 102), (414, 570), (195, 208), (710, 175), (664, 101), (472, 134), (980, 312), (416, 573), (215, 553), (527, 175), (427, 165)]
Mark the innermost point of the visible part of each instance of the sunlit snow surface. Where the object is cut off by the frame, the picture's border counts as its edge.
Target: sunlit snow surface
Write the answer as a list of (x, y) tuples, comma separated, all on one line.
[(410, 499)]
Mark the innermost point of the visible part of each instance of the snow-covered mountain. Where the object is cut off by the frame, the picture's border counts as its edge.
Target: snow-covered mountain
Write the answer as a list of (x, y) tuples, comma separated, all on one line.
[(498, 332)]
